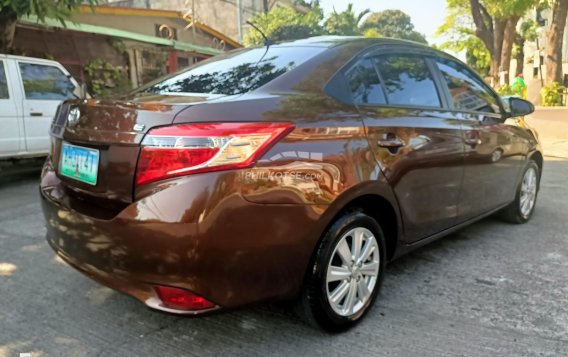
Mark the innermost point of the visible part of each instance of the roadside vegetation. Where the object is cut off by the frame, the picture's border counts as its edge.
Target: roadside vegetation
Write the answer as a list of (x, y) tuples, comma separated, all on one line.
[(492, 32), (307, 19)]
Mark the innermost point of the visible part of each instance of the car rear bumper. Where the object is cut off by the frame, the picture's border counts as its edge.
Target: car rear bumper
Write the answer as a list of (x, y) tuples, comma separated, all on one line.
[(214, 243)]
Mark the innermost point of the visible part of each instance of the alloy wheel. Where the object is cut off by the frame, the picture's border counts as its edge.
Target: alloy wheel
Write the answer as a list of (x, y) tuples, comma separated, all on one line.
[(353, 271), (528, 192)]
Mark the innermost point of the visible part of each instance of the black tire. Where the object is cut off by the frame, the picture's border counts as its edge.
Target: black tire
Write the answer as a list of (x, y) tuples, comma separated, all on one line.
[(513, 213), (314, 306)]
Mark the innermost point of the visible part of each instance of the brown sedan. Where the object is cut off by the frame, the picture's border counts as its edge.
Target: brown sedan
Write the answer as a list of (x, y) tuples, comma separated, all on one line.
[(294, 171)]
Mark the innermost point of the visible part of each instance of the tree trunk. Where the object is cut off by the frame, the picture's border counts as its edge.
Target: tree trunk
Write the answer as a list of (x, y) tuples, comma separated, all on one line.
[(520, 42), (495, 53), (265, 6), (509, 34), (8, 20), (554, 38)]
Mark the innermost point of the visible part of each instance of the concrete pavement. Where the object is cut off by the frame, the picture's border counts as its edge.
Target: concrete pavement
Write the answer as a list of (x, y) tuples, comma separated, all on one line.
[(492, 289), (552, 126)]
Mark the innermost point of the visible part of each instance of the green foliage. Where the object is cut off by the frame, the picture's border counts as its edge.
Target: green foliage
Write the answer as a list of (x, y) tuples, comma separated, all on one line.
[(527, 30), (506, 90), (285, 23), (372, 33), (393, 23), (58, 9), (497, 8), (553, 95), (106, 79), (463, 33), (506, 8), (476, 53), (345, 23), (459, 29)]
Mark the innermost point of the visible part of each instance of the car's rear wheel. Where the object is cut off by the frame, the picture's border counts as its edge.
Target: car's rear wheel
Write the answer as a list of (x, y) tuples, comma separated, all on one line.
[(522, 208), (346, 273)]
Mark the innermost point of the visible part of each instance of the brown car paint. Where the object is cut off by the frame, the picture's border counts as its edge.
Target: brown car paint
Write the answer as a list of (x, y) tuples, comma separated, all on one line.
[(244, 236)]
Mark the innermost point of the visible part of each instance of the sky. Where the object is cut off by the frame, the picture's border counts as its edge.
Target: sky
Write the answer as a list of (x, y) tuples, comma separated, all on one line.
[(427, 15)]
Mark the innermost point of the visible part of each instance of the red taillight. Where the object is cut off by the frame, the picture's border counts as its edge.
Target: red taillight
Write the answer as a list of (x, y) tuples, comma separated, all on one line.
[(182, 299), (193, 148)]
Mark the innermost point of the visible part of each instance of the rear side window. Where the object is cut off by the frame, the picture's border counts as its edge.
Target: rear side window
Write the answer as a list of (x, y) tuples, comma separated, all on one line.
[(468, 92), (4, 94), (408, 81), (235, 72), (365, 84), (45, 82)]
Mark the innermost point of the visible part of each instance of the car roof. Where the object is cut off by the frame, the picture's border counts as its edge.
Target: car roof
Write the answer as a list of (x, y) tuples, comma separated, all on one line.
[(360, 42), (331, 41)]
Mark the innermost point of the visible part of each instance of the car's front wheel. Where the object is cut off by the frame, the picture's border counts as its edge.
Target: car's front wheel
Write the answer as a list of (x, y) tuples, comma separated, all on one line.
[(522, 208), (346, 273)]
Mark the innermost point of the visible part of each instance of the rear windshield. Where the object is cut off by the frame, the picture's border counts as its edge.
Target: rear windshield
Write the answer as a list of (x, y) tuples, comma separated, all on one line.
[(235, 72)]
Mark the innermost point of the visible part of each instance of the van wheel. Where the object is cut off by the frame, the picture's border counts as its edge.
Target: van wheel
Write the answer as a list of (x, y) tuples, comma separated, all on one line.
[(345, 274), (521, 209)]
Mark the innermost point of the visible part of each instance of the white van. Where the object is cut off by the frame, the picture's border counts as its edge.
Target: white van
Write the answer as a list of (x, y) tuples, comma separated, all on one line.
[(31, 89)]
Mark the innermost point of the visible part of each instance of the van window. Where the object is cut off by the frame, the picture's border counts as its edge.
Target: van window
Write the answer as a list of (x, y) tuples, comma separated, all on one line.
[(4, 94), (45, 82), (408, 81), (235, 72)]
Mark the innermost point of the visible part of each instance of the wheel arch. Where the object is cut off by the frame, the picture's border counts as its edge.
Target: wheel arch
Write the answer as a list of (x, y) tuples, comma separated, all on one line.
[(381, 210), (379, 204), (539, 159)]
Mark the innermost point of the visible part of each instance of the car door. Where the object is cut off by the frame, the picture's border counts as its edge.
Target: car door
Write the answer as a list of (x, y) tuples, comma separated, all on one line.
[(10, 119), (418, 145), (495, 151), (44, 87)]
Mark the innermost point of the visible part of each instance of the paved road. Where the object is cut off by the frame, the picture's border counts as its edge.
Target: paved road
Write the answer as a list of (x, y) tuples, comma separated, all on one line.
[(492, 289), (552, 126)]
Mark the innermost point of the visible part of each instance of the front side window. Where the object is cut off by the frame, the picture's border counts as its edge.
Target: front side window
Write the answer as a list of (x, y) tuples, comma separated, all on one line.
[(4, 94), (45, 82), (408, 81), (468, 92), (235, 72), (365, 84)]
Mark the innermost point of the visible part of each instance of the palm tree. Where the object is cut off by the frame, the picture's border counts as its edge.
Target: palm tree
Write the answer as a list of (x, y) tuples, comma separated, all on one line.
[(345, 23)]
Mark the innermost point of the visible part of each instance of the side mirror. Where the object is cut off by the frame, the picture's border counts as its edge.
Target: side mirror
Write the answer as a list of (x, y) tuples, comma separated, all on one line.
[(519, 107)]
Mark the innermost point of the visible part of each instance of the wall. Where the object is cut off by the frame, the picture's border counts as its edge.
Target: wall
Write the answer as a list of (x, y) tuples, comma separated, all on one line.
[(72, 49), (146, 25), (218, 14)]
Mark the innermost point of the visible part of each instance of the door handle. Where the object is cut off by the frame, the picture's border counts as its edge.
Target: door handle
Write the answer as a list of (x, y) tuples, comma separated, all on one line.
[(36, 114), (472, 141), (390, 141)]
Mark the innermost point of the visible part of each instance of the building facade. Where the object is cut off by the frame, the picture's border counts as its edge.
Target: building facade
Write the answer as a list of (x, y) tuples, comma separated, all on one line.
[(223, 15), (116, 49)]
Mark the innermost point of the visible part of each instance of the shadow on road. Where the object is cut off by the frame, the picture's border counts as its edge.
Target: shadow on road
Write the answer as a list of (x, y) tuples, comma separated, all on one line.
[(19, 170)]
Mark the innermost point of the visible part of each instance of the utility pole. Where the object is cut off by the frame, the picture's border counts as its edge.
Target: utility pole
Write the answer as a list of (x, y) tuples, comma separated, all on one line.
[(240, 20), (193, 19)]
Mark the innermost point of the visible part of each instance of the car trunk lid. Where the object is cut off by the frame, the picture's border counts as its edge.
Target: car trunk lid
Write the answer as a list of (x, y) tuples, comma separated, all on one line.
[(114, 129)]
